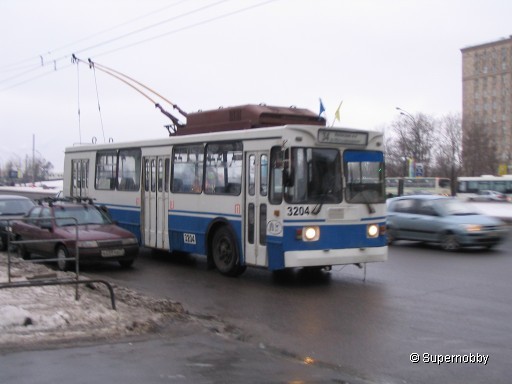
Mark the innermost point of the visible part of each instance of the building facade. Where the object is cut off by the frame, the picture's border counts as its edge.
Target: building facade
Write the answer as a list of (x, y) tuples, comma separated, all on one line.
[(487, 103)]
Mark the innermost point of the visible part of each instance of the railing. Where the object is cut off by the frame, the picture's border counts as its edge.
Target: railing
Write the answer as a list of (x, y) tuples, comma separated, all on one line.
[(50, 281)]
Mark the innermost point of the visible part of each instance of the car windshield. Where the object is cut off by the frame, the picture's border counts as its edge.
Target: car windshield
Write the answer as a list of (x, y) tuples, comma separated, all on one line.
[(80, 215), (453, 207), (15, 207)]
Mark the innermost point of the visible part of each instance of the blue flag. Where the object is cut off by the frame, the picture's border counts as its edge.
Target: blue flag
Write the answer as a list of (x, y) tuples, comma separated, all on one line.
[(322, 108)]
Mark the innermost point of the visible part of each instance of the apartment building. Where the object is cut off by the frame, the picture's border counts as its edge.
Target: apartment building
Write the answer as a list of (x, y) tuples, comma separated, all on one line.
[(487, 97)]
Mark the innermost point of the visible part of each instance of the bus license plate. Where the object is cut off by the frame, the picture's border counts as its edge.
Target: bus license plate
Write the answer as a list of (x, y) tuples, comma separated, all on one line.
[(112, 252)]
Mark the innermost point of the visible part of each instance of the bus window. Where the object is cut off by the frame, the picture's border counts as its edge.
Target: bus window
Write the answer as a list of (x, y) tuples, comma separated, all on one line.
[(317, 176), (79, 177), (252, 171), (147, 174), (276, 175), (161, 173), (129, 170), (223, 168), (153, 175), (365, 177), (106, 167), (187, 169), (167, 174), (263, 175)]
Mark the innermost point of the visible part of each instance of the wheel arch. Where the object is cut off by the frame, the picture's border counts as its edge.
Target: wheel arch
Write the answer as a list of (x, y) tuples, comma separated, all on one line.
[(213, 227), (210, 232)]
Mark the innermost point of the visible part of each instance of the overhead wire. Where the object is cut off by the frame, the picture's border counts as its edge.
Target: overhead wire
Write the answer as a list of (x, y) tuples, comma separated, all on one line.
[(114, 27), (203, 22), (19, 65), (131, 33), (122, 36), (99, 108)]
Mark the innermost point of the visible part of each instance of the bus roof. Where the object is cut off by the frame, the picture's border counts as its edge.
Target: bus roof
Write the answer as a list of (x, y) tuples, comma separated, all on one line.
[(246, 117)]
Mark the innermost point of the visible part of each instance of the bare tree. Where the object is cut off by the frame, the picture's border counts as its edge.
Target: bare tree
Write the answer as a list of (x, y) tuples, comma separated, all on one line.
[(412, 138), (479, 152), (448, 152), (32, 169)]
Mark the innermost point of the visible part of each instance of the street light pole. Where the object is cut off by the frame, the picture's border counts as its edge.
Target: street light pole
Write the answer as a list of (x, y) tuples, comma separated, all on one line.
[(403, 112), (415, 125)]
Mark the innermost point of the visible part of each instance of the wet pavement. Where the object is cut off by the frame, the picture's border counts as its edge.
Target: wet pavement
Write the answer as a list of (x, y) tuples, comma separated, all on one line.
[(186, 354)]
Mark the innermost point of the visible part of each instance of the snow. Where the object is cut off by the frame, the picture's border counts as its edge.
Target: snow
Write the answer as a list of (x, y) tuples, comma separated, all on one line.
[(50, 314)]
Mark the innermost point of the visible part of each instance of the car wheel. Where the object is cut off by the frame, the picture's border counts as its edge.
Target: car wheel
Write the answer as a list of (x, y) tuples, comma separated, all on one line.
[(126, 263), (225, 253), (449, 242), (22, 250), (62, 255), (390, 236), (3, 243)]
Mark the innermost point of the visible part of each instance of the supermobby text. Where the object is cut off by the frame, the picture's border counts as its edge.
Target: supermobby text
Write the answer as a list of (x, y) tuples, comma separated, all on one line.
[(429, 358)]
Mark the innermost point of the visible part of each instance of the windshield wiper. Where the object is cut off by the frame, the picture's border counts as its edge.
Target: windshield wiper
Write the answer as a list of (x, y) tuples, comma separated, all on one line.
[(323, 197), (370, 207), (319, 205)]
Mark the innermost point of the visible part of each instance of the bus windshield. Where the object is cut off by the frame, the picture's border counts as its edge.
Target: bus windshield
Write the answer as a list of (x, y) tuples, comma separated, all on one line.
[(365, 177), (316, 175)]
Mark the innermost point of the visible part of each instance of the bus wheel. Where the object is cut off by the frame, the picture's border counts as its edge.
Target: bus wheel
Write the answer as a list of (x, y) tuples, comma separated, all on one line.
[(225, 253)]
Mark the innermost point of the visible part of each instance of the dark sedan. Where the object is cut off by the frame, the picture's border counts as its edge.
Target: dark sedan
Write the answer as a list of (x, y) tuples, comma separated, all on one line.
[(51, 230), (11, 207)]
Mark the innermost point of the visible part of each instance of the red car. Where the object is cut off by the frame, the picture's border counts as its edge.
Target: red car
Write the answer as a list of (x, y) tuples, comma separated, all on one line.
[(56, 224)]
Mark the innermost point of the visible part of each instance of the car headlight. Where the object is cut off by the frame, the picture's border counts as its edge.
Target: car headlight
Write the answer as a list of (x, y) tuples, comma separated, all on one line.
[(88, 244), (130, 241), (472, 227)]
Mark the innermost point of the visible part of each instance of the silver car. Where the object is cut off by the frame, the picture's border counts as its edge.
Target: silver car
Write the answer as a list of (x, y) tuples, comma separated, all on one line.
[(444, 220)]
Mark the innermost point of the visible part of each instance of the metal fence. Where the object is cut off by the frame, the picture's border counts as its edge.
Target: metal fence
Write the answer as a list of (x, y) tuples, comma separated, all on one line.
[(13, 243)]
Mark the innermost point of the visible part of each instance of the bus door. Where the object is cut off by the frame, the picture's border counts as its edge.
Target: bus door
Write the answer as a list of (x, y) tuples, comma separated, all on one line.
[(256, 204), (80, 178), (155, 202)]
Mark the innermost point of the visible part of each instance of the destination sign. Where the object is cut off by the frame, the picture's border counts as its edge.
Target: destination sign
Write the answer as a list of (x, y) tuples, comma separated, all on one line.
[(342, 137)]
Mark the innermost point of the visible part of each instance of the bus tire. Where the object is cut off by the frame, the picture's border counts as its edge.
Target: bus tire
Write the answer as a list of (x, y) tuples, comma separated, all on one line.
[(225, 253)]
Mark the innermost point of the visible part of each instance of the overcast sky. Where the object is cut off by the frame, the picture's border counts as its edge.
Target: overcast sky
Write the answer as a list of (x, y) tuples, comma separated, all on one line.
[(373, 55)]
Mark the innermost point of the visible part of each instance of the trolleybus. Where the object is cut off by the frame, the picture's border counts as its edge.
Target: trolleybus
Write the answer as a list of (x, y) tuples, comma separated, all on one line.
[(418, 185), (245, 186), (470, 186)]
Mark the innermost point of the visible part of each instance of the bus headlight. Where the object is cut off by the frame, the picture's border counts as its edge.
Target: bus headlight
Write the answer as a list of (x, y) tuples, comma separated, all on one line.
[(372, 231), (308, 233)]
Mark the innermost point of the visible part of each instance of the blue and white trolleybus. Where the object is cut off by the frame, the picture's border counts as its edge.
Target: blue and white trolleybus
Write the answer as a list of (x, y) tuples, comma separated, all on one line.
[(245, 186)]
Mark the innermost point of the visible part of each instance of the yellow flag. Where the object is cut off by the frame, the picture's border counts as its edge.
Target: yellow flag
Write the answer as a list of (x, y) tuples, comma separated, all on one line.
[(337, 113)]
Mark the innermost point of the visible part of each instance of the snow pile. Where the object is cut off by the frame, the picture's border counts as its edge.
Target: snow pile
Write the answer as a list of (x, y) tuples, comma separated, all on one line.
[(51, 313)]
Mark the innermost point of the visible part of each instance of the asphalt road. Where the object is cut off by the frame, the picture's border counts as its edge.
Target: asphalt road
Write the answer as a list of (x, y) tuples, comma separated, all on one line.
[(422, 301)]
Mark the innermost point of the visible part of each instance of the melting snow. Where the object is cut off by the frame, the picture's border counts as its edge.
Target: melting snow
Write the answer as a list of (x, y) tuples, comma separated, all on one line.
[(51, 313)]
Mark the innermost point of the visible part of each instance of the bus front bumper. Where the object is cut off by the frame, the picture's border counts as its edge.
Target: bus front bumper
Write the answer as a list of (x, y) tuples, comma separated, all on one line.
[(335, 257)]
